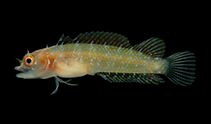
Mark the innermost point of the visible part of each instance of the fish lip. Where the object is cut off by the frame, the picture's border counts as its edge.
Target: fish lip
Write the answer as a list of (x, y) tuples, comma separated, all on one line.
[(20, 68), (20, 75)]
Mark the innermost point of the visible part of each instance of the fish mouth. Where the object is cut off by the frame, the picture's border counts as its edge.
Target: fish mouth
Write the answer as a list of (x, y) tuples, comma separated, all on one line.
[(24, 71)]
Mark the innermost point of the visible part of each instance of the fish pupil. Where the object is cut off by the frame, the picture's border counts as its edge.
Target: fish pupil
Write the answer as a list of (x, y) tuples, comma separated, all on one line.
[(28, 60)]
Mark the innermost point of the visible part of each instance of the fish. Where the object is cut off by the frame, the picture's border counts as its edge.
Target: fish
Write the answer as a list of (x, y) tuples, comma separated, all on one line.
[(111, 56)]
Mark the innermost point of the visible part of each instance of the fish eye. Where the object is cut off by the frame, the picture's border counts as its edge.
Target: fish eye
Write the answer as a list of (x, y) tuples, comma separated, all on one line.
[(29, 60)]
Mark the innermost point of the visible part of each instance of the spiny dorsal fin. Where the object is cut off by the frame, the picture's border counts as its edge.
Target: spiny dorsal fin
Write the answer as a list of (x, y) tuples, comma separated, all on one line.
[(64, 40), (154, 47), (131, 77), (104, 38)]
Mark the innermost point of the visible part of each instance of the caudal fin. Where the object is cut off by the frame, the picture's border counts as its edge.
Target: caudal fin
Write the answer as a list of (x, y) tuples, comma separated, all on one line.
[(181, 68)]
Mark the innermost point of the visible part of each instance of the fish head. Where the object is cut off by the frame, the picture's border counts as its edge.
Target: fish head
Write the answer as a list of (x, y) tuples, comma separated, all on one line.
[(35, 65)]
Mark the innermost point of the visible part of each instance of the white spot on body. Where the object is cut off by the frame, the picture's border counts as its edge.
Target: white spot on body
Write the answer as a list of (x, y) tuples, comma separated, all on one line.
[(35, 62), (61, 55), (48, 62)]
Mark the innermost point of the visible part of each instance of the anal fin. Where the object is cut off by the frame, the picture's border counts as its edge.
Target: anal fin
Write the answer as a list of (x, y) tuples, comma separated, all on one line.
[(131, 77)]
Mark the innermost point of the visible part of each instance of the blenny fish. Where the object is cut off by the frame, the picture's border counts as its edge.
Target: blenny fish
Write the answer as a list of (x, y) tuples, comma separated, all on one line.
[(110, 56)]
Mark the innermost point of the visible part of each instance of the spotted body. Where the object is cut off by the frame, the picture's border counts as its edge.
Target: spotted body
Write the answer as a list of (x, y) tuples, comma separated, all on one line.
[(112, 57)]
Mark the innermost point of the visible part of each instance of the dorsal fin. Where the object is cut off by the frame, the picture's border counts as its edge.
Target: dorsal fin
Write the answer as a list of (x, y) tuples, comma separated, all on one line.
[(154, 47), (104, 38), (64, 40)]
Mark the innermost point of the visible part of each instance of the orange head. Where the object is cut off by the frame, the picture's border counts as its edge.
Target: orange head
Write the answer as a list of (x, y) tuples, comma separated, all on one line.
[(38, 64)]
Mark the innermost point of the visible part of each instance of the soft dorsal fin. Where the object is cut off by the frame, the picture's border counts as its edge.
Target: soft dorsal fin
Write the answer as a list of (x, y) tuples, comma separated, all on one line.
[(154, 47), (104, 38)]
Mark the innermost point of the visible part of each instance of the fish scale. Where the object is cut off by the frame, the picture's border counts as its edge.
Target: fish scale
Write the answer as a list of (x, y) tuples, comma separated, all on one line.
[(108, 58)]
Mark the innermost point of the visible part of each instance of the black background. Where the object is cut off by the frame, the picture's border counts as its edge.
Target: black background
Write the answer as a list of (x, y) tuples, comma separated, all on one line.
[(178, 27)]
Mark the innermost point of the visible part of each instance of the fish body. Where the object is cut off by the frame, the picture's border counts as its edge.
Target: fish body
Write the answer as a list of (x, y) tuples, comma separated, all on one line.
[(102, 58), (110, 56)]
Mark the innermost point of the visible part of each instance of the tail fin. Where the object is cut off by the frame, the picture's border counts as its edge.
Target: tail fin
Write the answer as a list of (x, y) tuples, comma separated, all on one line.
[(181, 68)]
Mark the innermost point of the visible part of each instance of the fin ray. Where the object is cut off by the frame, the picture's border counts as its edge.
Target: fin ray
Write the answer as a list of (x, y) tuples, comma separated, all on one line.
[(106, 38), (64, 40), (181, 68), (131, 77), (154, 47)]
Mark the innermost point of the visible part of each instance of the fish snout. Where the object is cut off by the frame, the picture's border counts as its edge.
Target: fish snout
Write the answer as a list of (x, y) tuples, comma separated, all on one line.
[(20, 68)]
